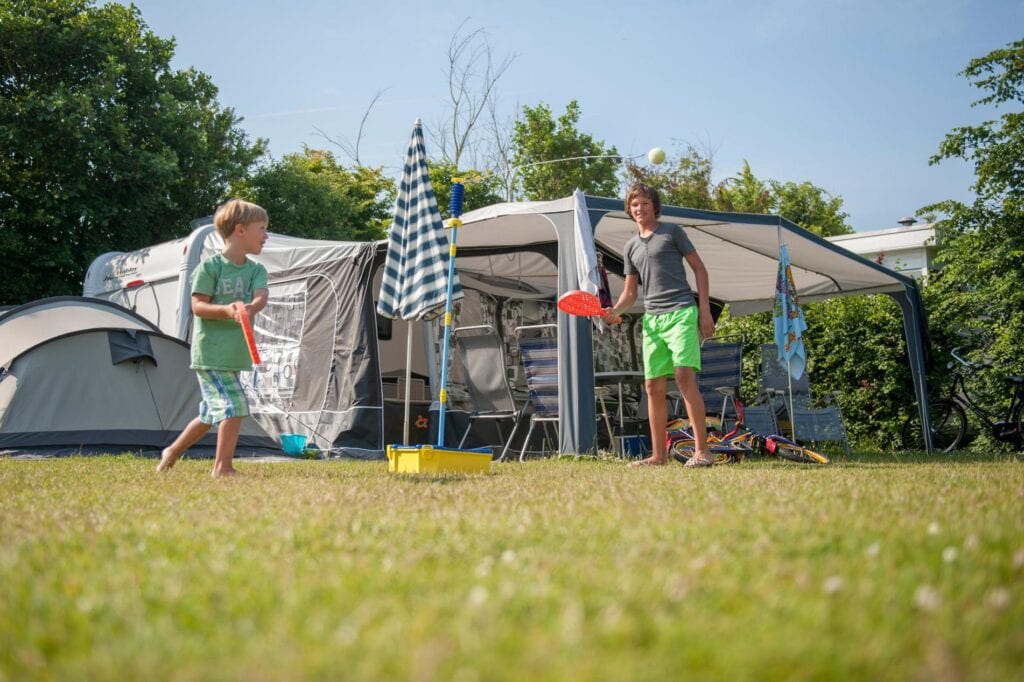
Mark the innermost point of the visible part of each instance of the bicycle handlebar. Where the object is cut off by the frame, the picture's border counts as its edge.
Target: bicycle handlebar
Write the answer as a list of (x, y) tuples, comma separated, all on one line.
[(967, 363)]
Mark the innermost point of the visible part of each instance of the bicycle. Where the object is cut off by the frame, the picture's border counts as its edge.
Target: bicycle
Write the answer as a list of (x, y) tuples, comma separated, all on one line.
[(732, 446), (949, 415)]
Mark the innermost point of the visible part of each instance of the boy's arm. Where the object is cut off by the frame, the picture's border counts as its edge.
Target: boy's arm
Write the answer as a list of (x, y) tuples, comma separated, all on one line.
[(201, 307), (705, 321), (259, 301), (626, 299)]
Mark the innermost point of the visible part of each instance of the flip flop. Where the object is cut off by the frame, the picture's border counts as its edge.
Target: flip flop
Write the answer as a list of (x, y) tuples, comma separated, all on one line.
[(694, 463)]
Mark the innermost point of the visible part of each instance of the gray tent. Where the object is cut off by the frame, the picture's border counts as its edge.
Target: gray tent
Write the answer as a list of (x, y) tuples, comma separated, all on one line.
[(81, 374), (320, 375)]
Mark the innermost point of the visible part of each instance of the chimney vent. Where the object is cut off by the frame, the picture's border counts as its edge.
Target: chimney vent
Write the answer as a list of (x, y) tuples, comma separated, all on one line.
[(907, 221)]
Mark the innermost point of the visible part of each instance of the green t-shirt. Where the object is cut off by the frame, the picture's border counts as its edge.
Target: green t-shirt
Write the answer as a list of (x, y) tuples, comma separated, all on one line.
[(220, 344)]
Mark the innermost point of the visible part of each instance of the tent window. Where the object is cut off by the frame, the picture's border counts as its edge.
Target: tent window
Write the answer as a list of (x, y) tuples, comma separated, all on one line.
[(129, 344)]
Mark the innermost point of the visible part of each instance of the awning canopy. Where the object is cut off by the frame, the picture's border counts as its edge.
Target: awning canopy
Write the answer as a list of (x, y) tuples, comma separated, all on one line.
[(521, 242)]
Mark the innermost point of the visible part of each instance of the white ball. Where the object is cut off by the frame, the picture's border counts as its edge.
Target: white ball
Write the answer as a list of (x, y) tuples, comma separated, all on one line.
[(656, 155)]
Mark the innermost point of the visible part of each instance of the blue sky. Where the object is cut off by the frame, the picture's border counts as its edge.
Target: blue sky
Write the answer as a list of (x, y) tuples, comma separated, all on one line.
[(852, 95)]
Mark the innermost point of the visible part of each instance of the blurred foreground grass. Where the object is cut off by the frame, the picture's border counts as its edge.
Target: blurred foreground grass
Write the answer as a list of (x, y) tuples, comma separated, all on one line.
[(874, 567)]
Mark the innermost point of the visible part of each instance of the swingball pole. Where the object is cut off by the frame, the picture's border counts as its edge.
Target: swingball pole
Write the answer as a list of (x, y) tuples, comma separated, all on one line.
[(455, 207)]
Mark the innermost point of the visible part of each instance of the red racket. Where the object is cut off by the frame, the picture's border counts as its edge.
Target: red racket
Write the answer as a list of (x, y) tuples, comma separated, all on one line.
[(582, 304), (250, 339)]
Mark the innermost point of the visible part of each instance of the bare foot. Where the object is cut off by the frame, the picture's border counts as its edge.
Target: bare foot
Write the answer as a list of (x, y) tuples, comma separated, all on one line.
[(167, 459), (650, 462), (227, 471)]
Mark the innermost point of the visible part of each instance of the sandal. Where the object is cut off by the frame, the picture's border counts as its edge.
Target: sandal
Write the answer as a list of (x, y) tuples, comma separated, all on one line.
[(694, 463)]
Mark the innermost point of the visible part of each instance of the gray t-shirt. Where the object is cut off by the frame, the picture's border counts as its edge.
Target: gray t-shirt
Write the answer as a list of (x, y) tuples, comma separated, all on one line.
[(658, 259)]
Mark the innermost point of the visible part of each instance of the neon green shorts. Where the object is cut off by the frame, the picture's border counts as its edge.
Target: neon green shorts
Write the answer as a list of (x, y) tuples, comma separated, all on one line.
[(671, 340)]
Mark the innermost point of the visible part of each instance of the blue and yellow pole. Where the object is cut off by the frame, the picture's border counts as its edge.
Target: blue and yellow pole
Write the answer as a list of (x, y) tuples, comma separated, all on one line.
[(455, 207)]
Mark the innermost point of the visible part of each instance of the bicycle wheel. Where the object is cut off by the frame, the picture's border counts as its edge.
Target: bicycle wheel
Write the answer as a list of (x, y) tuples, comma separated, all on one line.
[(798, 453), (682, 451), (949, 425)]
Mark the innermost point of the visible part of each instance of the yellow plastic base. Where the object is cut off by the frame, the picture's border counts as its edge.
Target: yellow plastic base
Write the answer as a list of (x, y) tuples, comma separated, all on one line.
[(428, 459)]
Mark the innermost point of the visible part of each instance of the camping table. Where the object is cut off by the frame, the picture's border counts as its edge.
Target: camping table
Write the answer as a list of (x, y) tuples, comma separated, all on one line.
[(619, 378)]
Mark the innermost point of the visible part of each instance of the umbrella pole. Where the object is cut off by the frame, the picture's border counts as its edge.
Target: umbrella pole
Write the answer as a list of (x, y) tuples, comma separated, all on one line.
[(408, 383), (455, 205)]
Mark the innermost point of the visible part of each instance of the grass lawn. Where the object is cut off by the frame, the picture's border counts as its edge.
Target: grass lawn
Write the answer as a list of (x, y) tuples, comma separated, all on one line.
[(874, 567)]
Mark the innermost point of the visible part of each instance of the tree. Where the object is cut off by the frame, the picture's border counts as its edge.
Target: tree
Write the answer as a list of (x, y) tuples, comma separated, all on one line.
[(104, 147), (538, 139), (981, 256), (809, 206), (744, 193), (481, 189), (687, 182), (309, 194), (473, 75)]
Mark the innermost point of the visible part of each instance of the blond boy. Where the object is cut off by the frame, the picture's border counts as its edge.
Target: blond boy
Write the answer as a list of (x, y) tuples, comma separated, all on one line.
[(219, 351)]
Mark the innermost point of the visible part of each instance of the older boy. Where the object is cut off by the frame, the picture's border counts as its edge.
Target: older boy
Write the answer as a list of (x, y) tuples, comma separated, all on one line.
[(673, 326), (219, 351)]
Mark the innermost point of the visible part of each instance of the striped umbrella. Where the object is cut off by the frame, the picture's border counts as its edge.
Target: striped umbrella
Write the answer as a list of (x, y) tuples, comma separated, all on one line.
[(414, 285), (415, 280)]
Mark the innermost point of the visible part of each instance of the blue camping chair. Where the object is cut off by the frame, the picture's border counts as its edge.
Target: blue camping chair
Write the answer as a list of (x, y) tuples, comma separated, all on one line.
[(795, 411), (482, 354), (538, 351), (720, 377)]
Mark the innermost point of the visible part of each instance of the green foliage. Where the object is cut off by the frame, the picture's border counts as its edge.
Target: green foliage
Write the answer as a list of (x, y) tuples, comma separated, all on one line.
[(481, 189), (538, 137), (688, 183), (744, 193), (856, 350), (875, 567), (310, 195), (104, 146), (981, 250), (810, 207)]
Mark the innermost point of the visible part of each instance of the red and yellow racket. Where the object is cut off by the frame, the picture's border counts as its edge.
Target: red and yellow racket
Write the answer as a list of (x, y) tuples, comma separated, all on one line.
[(250, 338), (582, 304)]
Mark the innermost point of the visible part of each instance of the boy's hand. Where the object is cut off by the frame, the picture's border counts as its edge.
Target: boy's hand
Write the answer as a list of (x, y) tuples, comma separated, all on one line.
[(611, 317), (706, 323), (236, 311)]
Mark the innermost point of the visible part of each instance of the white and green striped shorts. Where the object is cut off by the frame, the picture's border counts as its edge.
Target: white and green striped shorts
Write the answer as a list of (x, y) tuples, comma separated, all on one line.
[(223, 396)]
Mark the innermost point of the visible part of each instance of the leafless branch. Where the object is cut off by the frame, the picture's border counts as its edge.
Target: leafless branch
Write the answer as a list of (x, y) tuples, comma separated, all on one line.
[(352, 150), (470, 89)]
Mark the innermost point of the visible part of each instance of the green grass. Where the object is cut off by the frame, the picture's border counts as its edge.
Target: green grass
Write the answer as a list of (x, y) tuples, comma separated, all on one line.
[(874, 567)]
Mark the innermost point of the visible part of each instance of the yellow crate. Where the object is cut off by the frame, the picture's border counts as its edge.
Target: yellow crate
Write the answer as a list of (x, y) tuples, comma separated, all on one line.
[(427, 459)]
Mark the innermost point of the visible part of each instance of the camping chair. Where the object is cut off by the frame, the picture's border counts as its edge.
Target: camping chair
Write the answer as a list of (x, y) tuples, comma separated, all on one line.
[(795, 411), (483, 358), (721, 373), (538, 351)]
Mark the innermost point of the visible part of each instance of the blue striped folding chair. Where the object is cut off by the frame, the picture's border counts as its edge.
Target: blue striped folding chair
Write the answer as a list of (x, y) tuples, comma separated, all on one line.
[(721, 374), (538, 351)]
